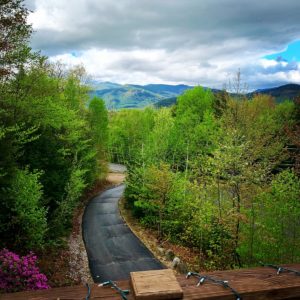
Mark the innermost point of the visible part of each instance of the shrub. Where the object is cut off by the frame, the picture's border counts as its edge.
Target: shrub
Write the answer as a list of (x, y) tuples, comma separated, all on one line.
[(20, 273), (29, 216)]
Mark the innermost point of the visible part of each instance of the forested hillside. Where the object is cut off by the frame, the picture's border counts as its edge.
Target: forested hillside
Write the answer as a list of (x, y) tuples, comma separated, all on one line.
[(280, 94), (51, 143), (216, 174), (117, 96)]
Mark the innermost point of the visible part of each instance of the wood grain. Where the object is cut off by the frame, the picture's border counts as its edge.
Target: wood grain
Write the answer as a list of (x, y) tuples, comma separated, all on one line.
[(155, 285), (252, 284)]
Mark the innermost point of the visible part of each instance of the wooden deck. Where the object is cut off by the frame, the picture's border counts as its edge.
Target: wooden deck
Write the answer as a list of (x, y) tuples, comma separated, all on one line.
[(256, 283)]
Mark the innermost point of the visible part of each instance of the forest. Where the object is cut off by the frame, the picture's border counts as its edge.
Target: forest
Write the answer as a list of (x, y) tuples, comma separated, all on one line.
[(52, 141), (219, 174)]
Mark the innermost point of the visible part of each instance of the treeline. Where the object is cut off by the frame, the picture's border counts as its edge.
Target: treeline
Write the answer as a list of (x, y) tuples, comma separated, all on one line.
[(217, 174), (52, 139)]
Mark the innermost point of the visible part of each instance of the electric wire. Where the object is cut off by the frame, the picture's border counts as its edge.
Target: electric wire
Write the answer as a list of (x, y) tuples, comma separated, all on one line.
[(113, 285), (224, 283), (89, 292), (281, 269)]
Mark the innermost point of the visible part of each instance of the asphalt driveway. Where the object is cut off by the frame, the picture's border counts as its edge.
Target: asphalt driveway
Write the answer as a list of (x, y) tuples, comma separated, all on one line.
[(113, 250)]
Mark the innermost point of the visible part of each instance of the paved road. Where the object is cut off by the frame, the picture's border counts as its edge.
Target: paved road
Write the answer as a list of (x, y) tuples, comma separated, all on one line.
[(113, 250)]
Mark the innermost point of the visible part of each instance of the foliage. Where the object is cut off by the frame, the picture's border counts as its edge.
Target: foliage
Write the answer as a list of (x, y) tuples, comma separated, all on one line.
[(48, 131), (14, 36), (20, 273), (62, 216), (50, 147), (275, 216), (98, 120), (160, 139), (29, 221), (195, 123), (129, 130), (213, 174)]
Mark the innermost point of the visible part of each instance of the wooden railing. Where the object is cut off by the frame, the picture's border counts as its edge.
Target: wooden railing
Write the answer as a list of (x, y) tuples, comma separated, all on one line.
[(255, 284)]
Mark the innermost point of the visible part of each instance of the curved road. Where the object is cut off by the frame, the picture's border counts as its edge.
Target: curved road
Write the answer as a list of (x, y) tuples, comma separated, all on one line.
[(113, 250)]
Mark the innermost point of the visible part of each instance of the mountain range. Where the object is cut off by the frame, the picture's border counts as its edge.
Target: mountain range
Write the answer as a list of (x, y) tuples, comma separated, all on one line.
[(117, 96), (281, 93)]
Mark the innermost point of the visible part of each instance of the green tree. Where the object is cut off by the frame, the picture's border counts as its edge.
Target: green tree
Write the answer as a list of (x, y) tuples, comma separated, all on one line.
[(14, 37), (275, 215), (98, 120), (195, 125), (129, 131), (159, 146), (28, 216)]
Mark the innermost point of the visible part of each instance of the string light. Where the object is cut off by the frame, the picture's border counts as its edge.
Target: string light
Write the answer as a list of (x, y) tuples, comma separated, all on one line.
[(281, 269), (122, 293), (89, 292), (224, 283)]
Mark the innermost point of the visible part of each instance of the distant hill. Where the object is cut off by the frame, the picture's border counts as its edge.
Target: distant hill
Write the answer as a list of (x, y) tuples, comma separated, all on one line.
[(166, 102), (118, 96), (98, 86), (126, 97), (281, 93), (166, 90)]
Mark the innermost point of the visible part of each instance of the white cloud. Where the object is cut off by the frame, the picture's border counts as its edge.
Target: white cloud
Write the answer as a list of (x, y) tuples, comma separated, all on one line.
[(172, 41), (156, 66)]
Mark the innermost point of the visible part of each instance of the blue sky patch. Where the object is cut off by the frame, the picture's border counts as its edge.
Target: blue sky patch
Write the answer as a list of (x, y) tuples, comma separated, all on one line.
[(292, 53), (75, 53)]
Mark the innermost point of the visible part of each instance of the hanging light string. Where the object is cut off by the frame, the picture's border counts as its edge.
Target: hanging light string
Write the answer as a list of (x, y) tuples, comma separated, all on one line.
[(122, 293), (224, 283), (281, 269), (89, 292)]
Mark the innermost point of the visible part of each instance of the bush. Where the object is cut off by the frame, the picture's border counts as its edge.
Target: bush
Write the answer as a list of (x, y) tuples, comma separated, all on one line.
[(61, 223), (29, 216), (275, 222), (20, 273)]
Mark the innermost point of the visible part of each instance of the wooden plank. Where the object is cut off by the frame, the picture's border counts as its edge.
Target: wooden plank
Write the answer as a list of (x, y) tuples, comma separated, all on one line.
[(155, 285), (252, 284), (256, 283), (70, 293)]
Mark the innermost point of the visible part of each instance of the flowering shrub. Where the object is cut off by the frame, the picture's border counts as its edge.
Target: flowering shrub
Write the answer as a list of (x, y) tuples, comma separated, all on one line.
[(20, 273)]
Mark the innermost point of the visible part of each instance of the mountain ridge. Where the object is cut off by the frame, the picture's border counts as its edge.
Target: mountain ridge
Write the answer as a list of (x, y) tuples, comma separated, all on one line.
[(118, 96)]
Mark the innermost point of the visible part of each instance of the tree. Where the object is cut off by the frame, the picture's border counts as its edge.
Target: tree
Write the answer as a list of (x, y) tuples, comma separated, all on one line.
[(29, 221), (221, 103), (14, 37), (277, 213), (48, 150), (129, 131), (160, 180), (293, 133), (98, 120), (162, 151), (195, 125), (202, 174)]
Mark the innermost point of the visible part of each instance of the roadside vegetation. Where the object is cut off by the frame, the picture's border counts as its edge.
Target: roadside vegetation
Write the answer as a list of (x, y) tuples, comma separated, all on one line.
[(218, 174), (52, 143)]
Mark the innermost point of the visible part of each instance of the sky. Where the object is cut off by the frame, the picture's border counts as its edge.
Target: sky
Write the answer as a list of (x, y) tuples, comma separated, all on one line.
[(196, 42)]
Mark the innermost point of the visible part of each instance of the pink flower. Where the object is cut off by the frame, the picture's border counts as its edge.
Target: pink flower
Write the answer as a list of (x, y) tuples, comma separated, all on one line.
[(20, 273)]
